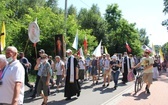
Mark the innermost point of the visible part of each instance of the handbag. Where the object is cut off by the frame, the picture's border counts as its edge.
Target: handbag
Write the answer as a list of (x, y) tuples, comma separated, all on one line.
[(130, 76)]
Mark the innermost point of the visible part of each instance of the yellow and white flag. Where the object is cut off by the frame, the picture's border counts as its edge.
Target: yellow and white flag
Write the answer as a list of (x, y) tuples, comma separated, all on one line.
[(161, 55), (106, 52), (153, 50), (3, 36)]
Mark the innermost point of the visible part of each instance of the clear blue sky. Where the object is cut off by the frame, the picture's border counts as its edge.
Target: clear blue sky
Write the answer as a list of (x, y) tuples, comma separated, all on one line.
[(145, 13)]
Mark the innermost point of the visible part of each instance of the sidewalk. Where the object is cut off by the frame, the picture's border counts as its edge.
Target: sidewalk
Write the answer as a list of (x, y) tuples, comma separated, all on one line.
[(158, 96)]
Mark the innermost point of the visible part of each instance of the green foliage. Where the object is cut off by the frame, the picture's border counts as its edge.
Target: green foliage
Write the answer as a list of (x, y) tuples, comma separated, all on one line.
[(72, 10), (165, 48), (91, 19), (165, 10), (143, 37), (120, 31), (112, 29)]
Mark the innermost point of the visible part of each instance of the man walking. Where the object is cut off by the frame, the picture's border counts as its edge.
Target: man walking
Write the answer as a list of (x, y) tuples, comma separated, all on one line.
[(71, 84), (41, 52), (126, 66), (12, 79), (147, 63), (24, 61)]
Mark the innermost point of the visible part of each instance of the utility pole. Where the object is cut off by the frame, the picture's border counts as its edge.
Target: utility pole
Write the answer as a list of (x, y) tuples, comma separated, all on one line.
[(65, 34)]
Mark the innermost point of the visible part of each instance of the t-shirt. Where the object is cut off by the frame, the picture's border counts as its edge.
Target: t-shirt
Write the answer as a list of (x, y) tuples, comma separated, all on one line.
[(132, 61), (106, 64), (58, 67), (14, 73), (102, 62), (24, 61), (88, 61), (45, 69), (146, 62), (81, 64), (115, 68)]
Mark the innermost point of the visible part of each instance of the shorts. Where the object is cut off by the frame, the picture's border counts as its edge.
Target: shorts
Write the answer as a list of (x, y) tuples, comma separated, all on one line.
[(94, 70), (59, 79), (147, 77), (102, 69), (42, 86), (107, 72), (81, 74)]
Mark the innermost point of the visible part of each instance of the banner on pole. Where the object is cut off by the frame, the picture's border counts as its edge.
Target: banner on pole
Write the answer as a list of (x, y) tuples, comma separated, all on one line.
[(59, 48), (34, 32)]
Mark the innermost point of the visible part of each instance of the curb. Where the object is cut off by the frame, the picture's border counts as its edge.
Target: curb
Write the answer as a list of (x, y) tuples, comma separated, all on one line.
[(114, 100)]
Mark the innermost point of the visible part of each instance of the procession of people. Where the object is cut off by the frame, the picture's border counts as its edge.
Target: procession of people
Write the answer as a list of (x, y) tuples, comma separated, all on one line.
[(69, 73)]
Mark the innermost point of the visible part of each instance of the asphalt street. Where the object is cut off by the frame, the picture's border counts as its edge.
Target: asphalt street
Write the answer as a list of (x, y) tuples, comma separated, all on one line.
[(90, 94)]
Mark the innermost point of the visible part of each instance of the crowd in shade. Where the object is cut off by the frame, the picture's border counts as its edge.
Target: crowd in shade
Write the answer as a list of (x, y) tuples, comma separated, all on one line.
[(70, 73)]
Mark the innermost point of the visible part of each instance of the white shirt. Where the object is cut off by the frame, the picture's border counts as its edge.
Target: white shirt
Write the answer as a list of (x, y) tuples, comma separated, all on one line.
[(14, 73), (81, 64), (107, 64), (132, 62), (58, 67)]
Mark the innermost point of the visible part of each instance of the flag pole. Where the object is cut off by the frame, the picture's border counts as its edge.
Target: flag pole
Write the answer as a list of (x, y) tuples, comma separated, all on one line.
[(35, 47)]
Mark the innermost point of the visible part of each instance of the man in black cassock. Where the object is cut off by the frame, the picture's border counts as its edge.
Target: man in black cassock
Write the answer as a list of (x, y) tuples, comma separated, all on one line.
[(72, 86), (126, 65)]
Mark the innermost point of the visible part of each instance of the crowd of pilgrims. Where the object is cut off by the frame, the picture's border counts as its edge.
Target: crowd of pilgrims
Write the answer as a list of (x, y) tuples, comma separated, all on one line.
[(90, 68)]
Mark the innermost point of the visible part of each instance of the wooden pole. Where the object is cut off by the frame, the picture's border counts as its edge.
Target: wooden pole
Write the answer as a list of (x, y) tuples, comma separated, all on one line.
[(26, 45), (35, 50)]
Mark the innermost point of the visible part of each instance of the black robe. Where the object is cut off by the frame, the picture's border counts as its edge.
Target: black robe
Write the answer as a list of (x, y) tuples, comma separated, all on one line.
[(124, 79), (71, 89)]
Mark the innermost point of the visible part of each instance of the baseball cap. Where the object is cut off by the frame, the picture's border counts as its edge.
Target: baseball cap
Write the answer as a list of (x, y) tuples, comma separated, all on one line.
[(147, 51), (42, 51), (68, 51), (114, 57)]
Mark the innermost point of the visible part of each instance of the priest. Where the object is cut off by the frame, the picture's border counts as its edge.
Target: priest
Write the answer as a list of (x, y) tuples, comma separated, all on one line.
[(72, 86), (126, 66)]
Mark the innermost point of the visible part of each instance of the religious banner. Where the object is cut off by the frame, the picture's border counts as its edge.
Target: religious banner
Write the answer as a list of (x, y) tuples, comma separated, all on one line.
[(34, 32), (59, 49)]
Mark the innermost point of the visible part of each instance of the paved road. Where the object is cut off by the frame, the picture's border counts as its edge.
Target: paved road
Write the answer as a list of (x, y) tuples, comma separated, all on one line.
[(90, 95), (158, 96)]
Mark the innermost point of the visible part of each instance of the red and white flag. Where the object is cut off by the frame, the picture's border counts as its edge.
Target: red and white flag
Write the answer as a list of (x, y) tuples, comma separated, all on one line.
[(80, 53), (128, 47), (85, 44), (146, 48)]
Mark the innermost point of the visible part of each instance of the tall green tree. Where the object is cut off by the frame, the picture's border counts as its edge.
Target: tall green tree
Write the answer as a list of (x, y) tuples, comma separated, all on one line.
[(120, 31), (165, 11), (72, 10), (143, 37), (91, 19)]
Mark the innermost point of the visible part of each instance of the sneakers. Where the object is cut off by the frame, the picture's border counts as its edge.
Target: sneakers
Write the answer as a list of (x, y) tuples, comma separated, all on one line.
[(115, 87), (103, 85), (68, 98), (57, 91), (146, 87), (107, 85), (96, 82), (78, 94), (33, 96), (147, 90)]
